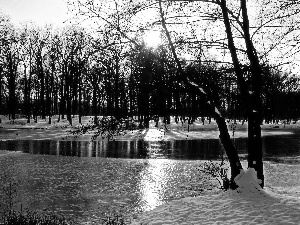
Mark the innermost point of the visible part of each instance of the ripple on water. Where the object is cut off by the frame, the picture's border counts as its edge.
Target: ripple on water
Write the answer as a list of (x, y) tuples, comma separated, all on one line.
[(86, 188)]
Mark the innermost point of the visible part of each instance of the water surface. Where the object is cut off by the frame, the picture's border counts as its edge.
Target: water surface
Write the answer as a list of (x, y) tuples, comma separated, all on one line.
[(287, 145), (86, 188), (85, 180)]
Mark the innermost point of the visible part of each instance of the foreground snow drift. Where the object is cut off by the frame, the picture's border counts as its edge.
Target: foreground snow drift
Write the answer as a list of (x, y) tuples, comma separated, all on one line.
[(231, 207), (249, 204)]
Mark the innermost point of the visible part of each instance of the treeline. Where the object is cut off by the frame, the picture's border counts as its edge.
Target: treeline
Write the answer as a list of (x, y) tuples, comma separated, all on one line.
[(66, 72)]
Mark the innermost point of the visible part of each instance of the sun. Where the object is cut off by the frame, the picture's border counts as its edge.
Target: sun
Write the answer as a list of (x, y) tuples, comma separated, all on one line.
[(152, 38)]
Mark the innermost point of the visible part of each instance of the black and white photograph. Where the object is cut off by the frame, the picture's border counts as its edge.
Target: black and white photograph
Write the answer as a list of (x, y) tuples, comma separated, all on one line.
[(118, 112)]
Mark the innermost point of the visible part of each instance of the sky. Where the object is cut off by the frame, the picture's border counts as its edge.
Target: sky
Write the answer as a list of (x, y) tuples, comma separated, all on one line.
[(41, 12), (55, 12)]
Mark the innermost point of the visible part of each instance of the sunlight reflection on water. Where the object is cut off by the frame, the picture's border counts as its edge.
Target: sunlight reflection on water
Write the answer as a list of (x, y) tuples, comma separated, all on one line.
[(154, 179), (86, 188)]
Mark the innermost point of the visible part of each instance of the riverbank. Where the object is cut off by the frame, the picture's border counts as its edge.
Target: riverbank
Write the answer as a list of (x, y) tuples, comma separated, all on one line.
[(42, 130)]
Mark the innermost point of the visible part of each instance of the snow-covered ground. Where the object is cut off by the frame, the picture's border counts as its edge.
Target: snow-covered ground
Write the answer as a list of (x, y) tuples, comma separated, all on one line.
[(249, 204), (228, 207), (41, 130)]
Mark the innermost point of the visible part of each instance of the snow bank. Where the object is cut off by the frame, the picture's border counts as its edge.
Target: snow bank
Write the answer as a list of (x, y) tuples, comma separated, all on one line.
[(247, 181), (229, 207), (249, 204)]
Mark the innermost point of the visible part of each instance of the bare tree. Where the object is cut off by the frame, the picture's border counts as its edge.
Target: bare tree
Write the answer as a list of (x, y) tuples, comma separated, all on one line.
[(10, 60), (227, 143)]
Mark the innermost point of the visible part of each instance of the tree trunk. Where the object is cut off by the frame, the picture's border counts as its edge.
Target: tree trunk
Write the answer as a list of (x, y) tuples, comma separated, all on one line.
[(49, 88), (255, 107), (42, 82), (62, 107), (229, 147), (79, 99), (255, 145), (69, 101), (252, 98), (1, 112), (28, 96), (12, 87), (26, 92), (116, 90), (95, 105)]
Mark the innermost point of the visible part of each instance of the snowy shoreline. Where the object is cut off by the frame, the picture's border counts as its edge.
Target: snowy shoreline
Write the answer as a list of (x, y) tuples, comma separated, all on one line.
[(42, 130)]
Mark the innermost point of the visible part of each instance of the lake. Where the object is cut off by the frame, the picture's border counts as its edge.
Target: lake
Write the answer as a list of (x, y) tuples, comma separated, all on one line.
[(287, 145), (85, 180)]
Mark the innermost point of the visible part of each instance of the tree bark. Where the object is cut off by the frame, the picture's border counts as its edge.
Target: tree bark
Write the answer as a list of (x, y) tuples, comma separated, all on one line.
[(252, 98), (1, 112), (12, 86), (42, 82), (116, 88), (80, 96), (229, 147), (255, 107)]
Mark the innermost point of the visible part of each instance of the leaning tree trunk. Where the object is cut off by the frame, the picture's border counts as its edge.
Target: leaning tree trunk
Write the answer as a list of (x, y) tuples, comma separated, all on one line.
[(230, 149)]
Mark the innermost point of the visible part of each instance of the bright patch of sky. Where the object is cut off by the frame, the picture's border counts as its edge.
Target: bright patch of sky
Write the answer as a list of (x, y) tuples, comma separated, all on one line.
[(41, 12), (152, 38)]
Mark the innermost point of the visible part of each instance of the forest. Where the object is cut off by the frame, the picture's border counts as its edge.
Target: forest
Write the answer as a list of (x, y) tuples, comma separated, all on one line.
[(46, 71)]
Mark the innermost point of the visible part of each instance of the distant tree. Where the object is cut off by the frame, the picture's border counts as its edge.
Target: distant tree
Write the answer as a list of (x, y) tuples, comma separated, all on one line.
[(28, 44), (10, 60), (42, 37), (71, 48), (4, 30)]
